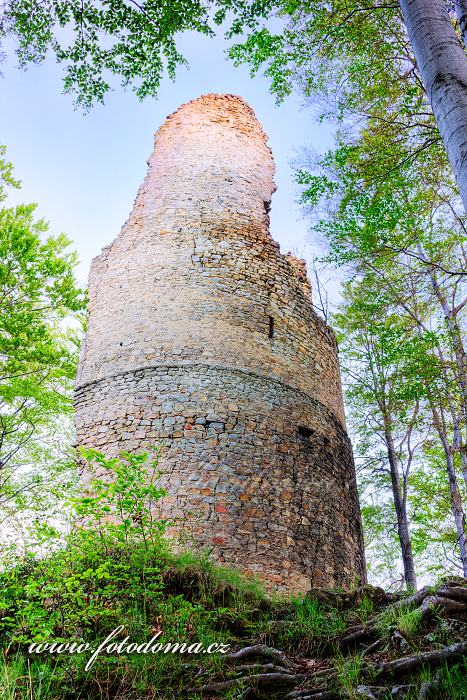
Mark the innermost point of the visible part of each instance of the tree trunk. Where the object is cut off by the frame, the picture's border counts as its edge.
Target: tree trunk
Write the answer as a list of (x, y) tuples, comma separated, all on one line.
[(443, 66), (461, 12), (455, 333), (401, 512), (456, 500)]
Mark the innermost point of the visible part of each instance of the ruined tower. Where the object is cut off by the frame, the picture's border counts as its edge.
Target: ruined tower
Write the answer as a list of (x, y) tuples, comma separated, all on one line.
[(202, 338)]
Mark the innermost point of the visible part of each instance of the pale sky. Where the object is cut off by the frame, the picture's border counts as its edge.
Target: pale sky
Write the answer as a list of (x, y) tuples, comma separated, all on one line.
[(84, 170)]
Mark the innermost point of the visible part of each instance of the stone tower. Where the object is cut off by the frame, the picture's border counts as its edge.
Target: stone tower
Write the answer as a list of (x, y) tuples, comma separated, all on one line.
[(202, 338)]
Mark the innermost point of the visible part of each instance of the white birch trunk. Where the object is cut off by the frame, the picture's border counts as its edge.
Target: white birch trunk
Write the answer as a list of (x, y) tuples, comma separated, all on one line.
[(442, 62)]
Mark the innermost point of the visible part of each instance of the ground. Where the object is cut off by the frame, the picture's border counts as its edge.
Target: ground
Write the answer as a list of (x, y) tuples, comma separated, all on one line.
[(326, 645)]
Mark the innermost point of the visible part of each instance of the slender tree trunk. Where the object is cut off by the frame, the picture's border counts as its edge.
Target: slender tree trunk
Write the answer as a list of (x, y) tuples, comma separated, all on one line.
[(401, 511), (461, 12), (456, 500), (455, 333), (443, 66)]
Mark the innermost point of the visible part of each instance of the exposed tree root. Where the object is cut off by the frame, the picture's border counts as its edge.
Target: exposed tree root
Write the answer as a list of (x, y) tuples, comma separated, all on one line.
[(278, 680), (262, 668), (358, 633), (451, 599), (261, 650), (311, 695), (429, 658), (374, 646), (414, 599), (261, 671), (454, 592), (449, 606)]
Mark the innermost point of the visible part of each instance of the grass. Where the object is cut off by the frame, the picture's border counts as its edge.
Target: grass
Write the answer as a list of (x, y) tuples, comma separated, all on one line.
[(450, 682), (406, 621), (349, 674), (453, 680), (366, 609), (22, 678), (184, 597), (409, 623), (311, 625), (84, 595)]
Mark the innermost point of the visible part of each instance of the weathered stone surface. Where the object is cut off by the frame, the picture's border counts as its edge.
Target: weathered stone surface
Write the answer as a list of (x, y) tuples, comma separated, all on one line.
[(202, 338)]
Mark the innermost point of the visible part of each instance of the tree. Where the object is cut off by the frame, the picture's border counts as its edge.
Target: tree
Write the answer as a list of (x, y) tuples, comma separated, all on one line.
[(39, 298), (133, 40), (367, 329), (137, 41), (405, 231), (363, 46), (443, 66)]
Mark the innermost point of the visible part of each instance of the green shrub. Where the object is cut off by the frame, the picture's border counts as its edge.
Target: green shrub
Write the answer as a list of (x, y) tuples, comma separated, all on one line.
[(115, 545), (115, 568)]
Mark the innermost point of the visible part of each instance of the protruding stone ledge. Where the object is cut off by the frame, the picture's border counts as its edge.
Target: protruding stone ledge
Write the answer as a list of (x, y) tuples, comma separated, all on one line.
[(81, 388)]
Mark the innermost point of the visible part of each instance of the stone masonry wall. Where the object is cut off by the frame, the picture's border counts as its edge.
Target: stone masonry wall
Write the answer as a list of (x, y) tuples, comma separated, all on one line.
[(202, 338)]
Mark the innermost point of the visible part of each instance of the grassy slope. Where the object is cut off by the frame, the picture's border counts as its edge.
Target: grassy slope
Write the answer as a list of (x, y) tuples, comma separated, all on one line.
[(86, 596)]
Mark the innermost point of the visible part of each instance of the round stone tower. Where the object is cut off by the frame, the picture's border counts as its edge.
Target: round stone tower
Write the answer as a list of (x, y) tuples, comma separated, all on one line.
[(202, 338)]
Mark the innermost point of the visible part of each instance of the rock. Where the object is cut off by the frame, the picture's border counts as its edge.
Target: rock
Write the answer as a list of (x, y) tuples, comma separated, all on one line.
[(399, 642), (364, 691), (351, 599)]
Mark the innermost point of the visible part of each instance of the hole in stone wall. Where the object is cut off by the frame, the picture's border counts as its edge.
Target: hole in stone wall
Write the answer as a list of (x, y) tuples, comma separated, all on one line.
[(304, 431), (267, 206), (271, 327)]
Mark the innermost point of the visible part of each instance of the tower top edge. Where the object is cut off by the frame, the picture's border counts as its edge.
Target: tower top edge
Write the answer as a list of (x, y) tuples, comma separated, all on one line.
[(211, 97), (212, 105)]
